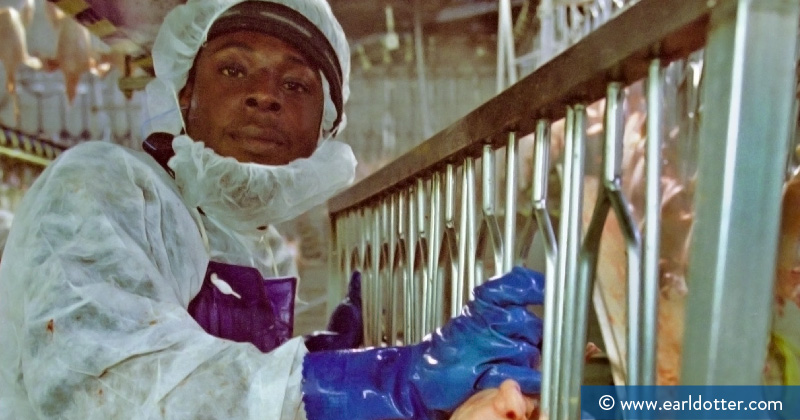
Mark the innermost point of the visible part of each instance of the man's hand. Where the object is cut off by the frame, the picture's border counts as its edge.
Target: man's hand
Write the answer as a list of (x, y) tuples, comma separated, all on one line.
[(504, 403)]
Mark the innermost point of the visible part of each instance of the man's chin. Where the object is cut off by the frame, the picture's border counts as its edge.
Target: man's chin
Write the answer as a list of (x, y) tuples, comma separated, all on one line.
[(270, 159), (263, 154)]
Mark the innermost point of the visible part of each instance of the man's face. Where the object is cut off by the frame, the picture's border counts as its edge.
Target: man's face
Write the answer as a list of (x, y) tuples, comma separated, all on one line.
[(253, 98)]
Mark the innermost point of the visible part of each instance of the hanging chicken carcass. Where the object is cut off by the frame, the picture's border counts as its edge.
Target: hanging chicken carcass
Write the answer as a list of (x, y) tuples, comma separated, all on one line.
[(15, 51), (127, 28), (42, 32), (24, 7), (135, 23), (74, 55)]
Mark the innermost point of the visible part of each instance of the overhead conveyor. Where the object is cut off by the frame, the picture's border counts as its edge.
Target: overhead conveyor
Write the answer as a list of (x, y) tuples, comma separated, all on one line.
[(26, 148)]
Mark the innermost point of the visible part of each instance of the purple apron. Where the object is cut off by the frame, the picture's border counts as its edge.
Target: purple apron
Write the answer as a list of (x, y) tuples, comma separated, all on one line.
[(263, 312), (263, 315)]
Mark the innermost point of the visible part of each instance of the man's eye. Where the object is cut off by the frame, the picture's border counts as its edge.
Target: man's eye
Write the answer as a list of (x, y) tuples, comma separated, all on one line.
[(295, 86), (232, 71)]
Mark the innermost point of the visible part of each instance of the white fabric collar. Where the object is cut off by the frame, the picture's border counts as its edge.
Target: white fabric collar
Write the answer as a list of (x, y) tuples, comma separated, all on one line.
[(246, 197)]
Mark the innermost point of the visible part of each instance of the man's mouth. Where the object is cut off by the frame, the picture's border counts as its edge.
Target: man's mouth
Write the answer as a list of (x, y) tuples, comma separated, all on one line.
[(260, 135)]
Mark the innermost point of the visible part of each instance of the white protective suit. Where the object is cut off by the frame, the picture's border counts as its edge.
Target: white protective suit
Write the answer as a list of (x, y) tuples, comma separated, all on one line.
[(107, 250)]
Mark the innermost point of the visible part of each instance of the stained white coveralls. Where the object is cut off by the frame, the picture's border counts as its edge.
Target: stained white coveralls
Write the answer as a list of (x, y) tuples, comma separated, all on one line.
[(107, 251)]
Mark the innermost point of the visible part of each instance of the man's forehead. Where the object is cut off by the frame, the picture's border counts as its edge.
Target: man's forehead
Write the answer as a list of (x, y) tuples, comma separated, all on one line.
[(251, 42)]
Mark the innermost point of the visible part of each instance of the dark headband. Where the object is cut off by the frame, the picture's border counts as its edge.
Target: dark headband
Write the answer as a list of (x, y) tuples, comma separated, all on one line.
[(292, 27)]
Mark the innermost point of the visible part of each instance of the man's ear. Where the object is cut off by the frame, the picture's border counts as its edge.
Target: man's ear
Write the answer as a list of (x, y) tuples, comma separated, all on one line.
[(185, 97)]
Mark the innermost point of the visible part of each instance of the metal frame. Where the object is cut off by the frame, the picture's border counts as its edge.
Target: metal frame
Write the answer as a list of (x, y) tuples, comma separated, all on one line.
[(582, 71), (743, 139)]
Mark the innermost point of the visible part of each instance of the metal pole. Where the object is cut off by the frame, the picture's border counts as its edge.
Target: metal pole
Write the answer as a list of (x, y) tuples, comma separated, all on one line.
[(574, 343), (750, 64), (511, 203), (463, 243), (652, 223), (506, 60), (547, 37), (612, 178), (422, 82), (385, 253), (394, 231), (401, 263), (412, 291), (362, 229), (557, 411), (508, 33), (457, 286), (421, 279), (434, 247), (570, 228), (471, 200), (409, 291), (376, 275), (541, 167), (492, 228)]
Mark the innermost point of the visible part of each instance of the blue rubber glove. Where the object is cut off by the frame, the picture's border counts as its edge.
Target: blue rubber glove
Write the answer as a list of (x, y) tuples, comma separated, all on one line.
[(495, 338), (346, 326)]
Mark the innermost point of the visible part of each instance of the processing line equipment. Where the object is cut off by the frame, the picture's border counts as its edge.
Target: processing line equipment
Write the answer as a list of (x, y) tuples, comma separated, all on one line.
[(463, 206)]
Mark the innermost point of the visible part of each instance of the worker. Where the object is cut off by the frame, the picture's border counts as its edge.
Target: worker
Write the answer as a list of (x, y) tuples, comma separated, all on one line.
[(110, 246)]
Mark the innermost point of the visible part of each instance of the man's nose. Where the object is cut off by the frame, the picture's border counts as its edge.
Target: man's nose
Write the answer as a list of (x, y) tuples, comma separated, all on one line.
[(265, 96)]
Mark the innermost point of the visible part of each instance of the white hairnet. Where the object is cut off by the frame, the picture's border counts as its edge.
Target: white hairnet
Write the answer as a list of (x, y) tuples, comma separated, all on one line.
[(185, 30)]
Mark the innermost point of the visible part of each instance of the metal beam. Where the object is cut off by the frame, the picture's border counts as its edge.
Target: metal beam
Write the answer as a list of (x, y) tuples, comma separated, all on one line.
[(678, 27), (748, 96)]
